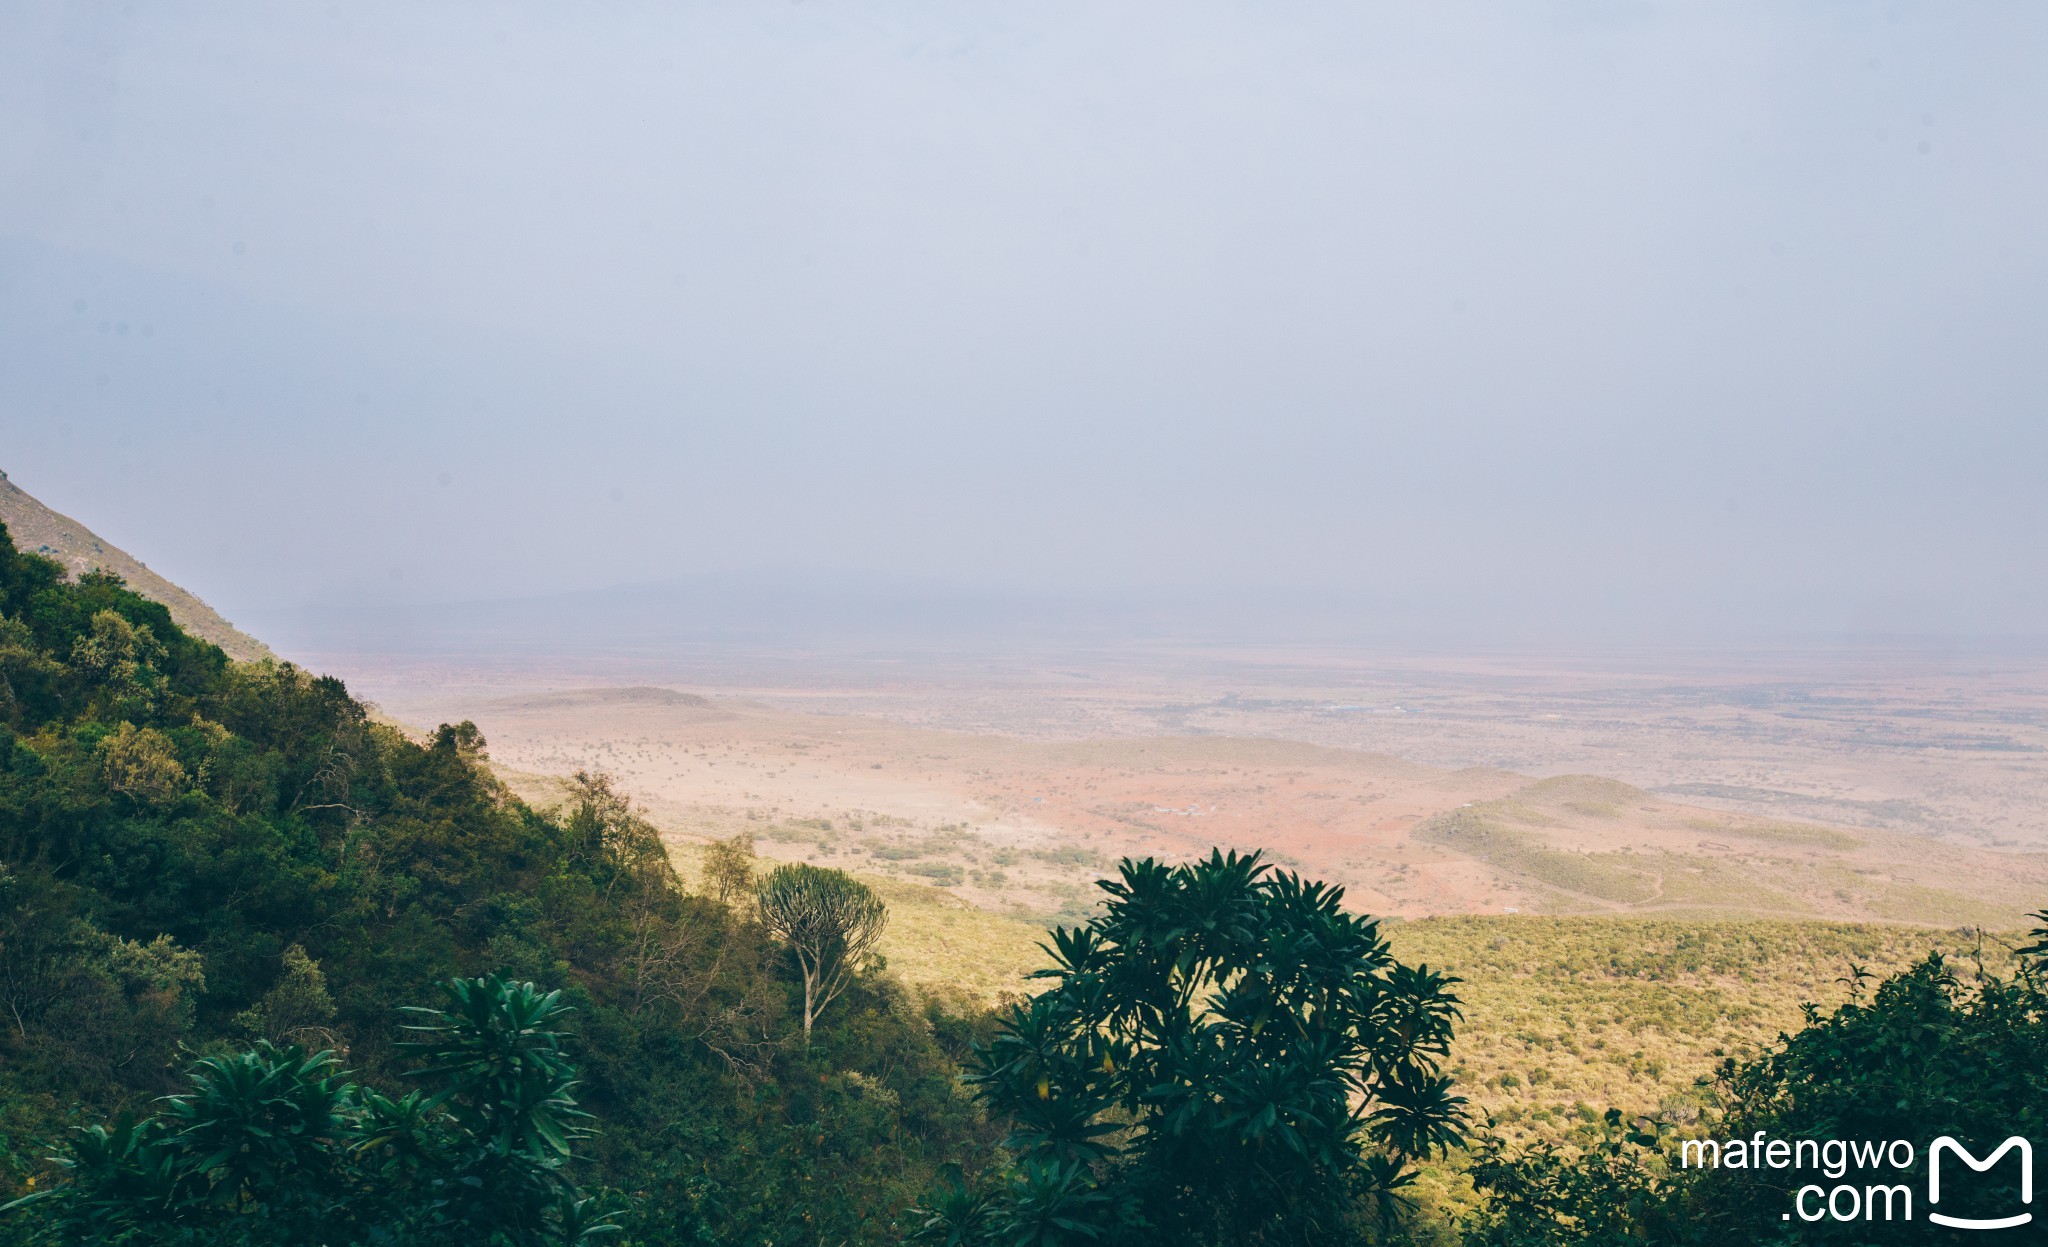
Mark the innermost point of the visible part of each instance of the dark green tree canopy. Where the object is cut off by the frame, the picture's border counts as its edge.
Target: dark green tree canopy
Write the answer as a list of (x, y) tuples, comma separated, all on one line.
[(274, 1147), (1225, 1056)]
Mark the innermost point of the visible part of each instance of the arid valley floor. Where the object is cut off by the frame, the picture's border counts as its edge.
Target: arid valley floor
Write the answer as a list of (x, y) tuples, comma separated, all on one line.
[(1897, 786)]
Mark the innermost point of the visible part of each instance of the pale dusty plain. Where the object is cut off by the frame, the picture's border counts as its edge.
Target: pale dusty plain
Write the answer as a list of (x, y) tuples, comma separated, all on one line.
[(1891, 785)]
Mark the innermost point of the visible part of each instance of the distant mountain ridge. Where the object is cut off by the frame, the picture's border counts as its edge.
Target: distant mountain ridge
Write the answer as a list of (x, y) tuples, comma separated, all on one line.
[(39, 530)]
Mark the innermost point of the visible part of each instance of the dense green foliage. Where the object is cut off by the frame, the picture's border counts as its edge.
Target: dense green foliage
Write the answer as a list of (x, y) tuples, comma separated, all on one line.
[(1928, 1052), (1609, 1190), (1226, 1056), (271, 1148), (196, 855)]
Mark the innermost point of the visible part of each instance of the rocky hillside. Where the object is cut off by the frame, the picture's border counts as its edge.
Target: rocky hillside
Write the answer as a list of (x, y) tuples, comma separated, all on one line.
[(39, 529)]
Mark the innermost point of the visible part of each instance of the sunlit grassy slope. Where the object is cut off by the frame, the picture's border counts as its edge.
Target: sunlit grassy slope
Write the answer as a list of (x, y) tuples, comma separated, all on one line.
[(1567, 1016), (1563, 1016), (934, 940)]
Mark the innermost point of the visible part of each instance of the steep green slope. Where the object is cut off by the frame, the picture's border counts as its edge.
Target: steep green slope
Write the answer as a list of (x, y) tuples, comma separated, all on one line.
[(1563, 1015), (188, 845)]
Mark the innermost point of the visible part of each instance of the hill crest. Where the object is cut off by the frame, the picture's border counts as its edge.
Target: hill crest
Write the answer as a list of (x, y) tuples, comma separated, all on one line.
[(39, 530)]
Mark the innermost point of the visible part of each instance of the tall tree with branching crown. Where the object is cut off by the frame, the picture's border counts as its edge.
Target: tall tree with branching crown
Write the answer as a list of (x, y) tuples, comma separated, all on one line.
[(1227, 1056), (830, 919)]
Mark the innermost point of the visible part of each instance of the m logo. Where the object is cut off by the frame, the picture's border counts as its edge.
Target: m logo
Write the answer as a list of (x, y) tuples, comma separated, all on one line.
[(1946, 1144)]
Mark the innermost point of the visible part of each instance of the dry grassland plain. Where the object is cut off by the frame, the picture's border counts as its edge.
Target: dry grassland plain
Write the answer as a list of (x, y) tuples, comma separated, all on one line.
[(1637, 876)]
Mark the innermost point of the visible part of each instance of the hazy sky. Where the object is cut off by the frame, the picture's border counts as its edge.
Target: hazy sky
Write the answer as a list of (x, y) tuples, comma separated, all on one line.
[(1721, 317)]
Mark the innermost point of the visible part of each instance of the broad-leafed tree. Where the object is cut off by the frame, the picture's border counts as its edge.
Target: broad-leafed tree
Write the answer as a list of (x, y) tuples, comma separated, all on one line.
[(1226, 1055)]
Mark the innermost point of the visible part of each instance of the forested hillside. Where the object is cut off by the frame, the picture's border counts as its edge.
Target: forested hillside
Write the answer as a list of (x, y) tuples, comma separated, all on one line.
[(200, 854)]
